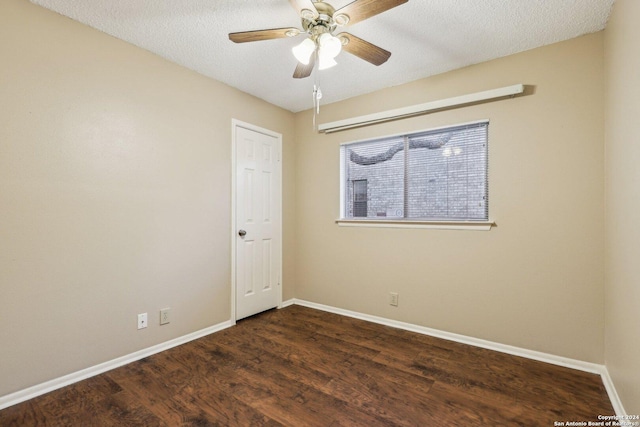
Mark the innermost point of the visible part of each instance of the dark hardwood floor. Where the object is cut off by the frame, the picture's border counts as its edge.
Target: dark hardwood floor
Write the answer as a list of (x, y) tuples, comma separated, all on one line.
[(303, 367)]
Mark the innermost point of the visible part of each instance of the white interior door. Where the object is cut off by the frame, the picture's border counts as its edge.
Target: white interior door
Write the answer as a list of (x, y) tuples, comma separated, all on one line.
[(257, 231)]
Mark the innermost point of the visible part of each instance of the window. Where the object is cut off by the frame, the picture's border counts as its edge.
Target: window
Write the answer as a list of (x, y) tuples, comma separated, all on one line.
[(436, 175)]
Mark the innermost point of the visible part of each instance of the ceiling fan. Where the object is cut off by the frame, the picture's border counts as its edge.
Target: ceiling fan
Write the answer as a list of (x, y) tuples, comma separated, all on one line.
[(319, 21)]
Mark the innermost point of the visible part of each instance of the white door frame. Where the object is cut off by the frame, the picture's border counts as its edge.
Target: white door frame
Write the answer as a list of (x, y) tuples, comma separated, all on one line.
[(235, 124)]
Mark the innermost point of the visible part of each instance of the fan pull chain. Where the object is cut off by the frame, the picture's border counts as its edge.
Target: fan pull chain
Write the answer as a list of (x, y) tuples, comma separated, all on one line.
[(317, 96), (314, 124)]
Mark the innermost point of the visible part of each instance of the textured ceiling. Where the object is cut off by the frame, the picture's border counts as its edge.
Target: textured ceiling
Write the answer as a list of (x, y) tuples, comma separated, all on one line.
[(426, 37)]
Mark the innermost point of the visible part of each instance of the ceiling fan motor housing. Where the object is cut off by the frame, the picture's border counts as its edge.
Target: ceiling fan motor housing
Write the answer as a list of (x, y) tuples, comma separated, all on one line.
[(323, 23)]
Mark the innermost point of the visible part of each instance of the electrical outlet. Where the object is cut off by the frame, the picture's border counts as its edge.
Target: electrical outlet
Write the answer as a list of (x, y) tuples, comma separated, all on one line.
[(393, 299), (164, 316), (142, 320)]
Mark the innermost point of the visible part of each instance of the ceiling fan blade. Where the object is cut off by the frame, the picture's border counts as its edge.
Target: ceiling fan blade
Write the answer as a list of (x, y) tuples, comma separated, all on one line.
[(300, 5), (302, 71), (254, 36), (363, 49), (359, 10)]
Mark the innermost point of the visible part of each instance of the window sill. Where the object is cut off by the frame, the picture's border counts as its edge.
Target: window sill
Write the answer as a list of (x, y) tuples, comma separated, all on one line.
[(400, 223)]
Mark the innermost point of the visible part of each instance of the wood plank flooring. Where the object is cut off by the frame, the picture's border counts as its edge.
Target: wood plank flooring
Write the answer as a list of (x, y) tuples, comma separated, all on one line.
[(303, 367)]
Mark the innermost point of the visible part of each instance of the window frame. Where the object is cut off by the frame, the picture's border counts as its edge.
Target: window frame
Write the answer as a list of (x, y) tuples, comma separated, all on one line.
[(479, 225)]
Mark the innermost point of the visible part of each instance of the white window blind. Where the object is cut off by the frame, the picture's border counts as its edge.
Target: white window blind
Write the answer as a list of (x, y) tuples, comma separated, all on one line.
[(432, 175)]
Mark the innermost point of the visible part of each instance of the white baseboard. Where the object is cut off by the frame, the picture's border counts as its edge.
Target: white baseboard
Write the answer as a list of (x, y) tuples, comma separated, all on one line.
[(613, 394), (287, 303), (580, 365), (56, 383), (46, 387)]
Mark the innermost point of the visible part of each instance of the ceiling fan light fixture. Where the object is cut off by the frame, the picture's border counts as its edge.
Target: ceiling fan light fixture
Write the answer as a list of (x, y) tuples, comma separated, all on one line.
[(325, 62), (303, 51), (330, 46)]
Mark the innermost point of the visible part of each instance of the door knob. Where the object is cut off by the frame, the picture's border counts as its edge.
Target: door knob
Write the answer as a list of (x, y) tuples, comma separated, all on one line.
[(242, 233)]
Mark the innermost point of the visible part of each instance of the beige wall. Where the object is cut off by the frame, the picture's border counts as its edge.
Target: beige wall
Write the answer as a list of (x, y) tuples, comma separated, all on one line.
[(534, 281), (115, 171), (622, 178)]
